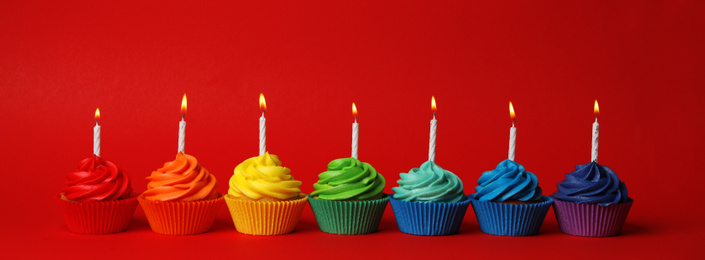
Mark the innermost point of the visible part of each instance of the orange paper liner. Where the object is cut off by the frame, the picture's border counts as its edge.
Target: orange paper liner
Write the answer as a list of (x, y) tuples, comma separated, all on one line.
[(265, 218), (181, 217), (100, 217)]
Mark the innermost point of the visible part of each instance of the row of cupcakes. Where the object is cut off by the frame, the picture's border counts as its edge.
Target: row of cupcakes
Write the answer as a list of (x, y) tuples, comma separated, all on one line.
[(264, 199)]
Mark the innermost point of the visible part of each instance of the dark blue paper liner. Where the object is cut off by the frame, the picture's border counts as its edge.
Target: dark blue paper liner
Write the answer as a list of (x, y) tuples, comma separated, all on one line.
[(429, 218), (348, 217), (505, 219)]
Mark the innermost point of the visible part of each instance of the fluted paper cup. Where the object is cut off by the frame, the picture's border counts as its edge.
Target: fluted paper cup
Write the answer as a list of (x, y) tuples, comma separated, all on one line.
[(506, 219), (591, 220), (429, 218), (265, 218), (181, 217), (100, 217), (348, 217)]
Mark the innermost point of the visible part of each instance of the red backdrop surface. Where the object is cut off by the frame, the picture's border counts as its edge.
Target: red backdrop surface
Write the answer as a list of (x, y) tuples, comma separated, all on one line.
[(643, 61)]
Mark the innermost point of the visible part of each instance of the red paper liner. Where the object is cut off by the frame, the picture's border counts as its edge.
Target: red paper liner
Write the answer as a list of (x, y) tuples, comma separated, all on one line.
[(265, 218), (100, 217), (181, 217), (591, 220)]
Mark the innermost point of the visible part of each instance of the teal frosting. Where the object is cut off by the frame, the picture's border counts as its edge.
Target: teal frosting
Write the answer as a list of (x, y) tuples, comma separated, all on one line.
[(429, 183), (509, 181)]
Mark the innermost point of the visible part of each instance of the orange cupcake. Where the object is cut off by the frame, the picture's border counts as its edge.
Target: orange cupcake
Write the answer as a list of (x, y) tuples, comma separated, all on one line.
[(181, 198)]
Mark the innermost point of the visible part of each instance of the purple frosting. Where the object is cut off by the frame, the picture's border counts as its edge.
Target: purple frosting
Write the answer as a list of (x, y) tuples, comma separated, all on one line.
[(592, 183)]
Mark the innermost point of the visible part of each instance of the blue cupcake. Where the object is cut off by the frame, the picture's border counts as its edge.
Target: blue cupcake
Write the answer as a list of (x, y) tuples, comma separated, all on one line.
[(591, 202), (509, 202), (429, 201)]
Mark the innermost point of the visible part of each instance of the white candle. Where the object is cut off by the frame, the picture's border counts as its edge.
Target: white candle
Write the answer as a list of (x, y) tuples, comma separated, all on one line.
[(182, 134), (262, 126), (96, 134), (355, 132), (432, 133), (182, 126), (512, 134), (595, 134)]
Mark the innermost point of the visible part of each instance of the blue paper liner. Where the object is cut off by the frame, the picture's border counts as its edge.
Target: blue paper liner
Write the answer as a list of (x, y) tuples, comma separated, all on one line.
[(348, 217), (429, 218), (505, 219)]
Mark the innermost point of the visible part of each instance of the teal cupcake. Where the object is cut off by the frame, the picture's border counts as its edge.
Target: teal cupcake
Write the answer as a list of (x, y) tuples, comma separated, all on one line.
[(429, 201)]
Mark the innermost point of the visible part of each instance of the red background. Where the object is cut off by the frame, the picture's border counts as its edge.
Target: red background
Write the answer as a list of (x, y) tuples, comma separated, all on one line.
[(643, 61)]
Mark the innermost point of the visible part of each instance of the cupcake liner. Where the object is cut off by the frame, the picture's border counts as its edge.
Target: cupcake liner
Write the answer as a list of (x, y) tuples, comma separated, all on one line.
[(348, 217), (100, 217), (265, 218), (591, 220), (511, 219), (181, 217), (429, 218)]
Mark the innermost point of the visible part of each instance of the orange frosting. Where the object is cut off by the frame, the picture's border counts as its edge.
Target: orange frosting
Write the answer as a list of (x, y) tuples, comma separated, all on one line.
[(181, 180)]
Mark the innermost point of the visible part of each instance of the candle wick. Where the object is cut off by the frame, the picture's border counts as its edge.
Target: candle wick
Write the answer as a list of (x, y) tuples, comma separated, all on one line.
[(596, 118), (263, 113), (513, 121), (356, 119), (434, 115), (183, 116)]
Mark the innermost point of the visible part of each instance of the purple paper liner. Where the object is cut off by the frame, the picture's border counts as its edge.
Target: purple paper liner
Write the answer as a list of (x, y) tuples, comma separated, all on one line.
[(429, 218), (591, 220), (506, 219)]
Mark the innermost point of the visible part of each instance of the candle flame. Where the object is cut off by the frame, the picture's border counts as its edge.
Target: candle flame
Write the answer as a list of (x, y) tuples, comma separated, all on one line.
[(183, 105), (433, 104), (512, 115), (97, 114), (597, 108), (262, 103), (354, 109)]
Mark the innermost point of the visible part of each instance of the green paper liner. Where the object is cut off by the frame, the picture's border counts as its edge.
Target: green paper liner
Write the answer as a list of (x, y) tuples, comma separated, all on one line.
[(100, 217), (181, 217), (265, 218), (348, 217)]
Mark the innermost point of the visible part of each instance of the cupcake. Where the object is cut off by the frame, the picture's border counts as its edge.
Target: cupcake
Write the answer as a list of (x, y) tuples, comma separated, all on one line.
[(591, 202), (264, 199), (348, 199), (508, 201), (181, 198), (429, 201), (97, 198)]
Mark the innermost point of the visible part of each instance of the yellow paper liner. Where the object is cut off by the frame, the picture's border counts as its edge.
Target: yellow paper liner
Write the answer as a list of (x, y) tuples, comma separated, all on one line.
[(265, 218), (100, 217), (181, 217)]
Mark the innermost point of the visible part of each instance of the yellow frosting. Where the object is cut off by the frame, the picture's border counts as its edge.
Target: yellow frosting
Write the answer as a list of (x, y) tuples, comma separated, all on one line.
[(263, 177)]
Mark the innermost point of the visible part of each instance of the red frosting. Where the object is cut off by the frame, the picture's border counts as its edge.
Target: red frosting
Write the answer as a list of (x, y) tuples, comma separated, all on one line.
[(96, 179)]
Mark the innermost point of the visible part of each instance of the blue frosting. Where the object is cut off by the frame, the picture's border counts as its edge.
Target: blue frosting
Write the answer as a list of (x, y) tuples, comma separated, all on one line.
[(508, 182), (592, 183)]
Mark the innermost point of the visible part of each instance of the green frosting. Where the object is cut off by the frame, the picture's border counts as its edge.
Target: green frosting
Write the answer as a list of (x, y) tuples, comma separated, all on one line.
[(348, 179)]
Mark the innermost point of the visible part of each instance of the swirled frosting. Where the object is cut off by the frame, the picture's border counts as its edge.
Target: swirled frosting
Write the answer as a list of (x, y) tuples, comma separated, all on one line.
[(508, 182), (263, 177), (592, 183), (182, 179), (96, 179), (429, 183), (348, 179)]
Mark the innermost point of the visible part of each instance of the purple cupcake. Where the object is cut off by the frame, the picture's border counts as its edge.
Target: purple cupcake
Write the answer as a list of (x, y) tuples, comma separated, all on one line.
[(591, 202)]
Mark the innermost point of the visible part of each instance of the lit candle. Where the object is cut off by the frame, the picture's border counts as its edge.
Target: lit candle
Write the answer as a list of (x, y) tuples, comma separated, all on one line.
[(432, 134), (595, 133), (512, 133), (262, 126), (96, 134), (182, 125), (356, 132)]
